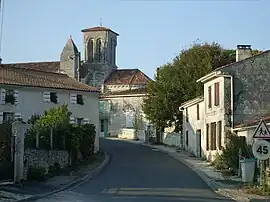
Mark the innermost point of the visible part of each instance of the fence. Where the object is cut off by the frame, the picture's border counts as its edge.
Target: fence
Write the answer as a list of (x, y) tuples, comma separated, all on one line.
[(173, 139)]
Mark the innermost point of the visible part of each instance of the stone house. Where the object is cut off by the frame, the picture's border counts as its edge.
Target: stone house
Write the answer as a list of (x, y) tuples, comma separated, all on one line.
[(234, 94), (26, 91)]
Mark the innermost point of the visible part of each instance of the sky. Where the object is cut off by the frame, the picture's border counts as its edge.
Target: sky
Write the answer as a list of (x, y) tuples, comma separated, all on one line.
[(152, 32)]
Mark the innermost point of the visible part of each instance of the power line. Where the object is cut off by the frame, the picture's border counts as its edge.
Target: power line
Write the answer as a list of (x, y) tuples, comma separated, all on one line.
[(2, 23)]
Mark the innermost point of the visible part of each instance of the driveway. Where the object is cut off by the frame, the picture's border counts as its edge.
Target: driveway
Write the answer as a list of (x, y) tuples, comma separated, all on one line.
[(138, 173)]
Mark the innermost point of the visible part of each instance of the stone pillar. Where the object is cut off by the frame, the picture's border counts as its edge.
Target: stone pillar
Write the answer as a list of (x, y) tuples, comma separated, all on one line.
[(18, 131)]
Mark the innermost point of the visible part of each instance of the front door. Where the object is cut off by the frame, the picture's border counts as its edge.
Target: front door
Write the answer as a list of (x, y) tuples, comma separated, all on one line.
[(198, 141)]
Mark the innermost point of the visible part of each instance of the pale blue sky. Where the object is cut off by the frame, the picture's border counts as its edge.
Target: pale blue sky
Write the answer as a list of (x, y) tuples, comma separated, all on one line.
[(151, 32)]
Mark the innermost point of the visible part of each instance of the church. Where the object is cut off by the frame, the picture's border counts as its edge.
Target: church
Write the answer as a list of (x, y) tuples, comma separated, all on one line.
[(122, 90)]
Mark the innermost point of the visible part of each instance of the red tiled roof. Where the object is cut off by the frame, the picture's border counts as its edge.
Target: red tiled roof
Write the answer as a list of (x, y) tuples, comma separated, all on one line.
[(95, 29), (11, 75), (127, 77), (40, 66), (253, 122)]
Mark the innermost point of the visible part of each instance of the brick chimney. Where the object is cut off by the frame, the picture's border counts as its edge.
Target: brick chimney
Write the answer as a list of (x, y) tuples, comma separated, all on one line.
[(243, 52)]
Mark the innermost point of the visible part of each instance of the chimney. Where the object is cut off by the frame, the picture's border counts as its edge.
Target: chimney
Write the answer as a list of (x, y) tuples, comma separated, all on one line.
[(243, 52), (157, 74)]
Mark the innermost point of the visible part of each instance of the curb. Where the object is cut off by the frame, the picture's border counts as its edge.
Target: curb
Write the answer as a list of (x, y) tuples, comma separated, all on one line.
[(74, 183)]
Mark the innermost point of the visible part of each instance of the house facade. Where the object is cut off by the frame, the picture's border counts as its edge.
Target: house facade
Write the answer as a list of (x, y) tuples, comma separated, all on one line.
[(234, 95), (25, 92), (193, 126), (120, 103)]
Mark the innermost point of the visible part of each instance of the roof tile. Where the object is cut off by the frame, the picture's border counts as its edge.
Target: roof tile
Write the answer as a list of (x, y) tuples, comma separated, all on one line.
[(11, 75), (127, 77)]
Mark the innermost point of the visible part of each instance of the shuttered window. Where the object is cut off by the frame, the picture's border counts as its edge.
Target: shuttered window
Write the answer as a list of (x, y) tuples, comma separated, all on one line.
[(207, 137), (198, 112), (213, 136), (217, 94), (209, 97), (219, 126)]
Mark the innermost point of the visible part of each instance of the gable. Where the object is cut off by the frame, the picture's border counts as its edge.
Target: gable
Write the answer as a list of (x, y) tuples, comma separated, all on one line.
[(127, 77)]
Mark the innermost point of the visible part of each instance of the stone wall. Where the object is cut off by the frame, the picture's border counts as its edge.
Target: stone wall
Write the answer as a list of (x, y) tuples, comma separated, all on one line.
[(251, 88), (43, 158)]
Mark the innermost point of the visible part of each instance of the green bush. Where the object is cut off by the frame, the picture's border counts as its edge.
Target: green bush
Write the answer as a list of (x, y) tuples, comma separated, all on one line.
[(229, 158), (36, 174), (87, 141), (66, 136)]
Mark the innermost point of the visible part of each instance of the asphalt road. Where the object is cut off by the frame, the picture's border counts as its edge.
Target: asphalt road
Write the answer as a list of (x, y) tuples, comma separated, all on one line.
[(138, 173)]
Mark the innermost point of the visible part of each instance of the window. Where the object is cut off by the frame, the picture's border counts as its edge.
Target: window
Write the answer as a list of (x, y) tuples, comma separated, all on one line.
[(209, 97), (8, 117), (80, 100), (102, 126), (213, 136), (98, 50), (90, 48), (219, 125), (198, 112), (53, 97), (207, 137), (187, 138), (187, 115), (79, 121), (10, 98), (217, 94)]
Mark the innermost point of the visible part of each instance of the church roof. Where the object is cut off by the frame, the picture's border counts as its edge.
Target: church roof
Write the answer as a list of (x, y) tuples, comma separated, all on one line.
[(12, 75), (71, 45), (53, 66), (127, 77), (96, 29)]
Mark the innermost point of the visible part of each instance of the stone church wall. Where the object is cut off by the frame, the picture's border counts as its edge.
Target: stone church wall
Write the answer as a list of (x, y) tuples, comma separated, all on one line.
[(118, 118)]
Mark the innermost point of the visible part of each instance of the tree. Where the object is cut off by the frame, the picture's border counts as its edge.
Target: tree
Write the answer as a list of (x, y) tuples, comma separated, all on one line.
[(176, 83)]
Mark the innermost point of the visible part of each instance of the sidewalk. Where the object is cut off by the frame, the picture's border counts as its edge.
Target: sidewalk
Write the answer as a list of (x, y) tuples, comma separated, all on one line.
[(226, 187), (35, 190)]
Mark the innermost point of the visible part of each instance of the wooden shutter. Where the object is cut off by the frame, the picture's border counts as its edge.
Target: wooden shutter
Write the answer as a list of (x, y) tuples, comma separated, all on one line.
[(207, 137), (16, 97), (198, 112), (1, 117), (3, 96), (72, 120), (17, 116), (209, 97), (86, 121), (73, 98), (217, 94), (46, 96)]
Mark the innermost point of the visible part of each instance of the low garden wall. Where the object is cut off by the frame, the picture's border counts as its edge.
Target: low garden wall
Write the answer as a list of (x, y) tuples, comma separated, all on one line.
[(36, 158)]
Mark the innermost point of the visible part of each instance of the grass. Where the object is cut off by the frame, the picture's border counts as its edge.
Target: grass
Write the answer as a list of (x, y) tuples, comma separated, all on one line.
[(254, 189)]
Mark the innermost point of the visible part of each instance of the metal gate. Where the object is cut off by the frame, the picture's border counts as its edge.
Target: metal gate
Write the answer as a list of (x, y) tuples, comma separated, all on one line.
[(6, 152)]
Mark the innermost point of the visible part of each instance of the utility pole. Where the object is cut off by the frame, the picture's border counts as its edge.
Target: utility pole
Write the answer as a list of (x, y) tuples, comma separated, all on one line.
[(1, 28)]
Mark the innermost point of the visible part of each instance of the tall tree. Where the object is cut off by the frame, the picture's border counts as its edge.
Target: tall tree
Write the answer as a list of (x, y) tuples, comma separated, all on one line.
[(176, 82)]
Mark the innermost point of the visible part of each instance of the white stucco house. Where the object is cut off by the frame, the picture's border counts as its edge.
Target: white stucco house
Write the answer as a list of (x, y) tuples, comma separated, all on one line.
[(26, 91), (193, 126), (235, 98)]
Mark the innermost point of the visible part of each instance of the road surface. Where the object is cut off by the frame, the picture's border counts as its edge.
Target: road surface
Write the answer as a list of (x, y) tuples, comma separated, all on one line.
[(138, 173)]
